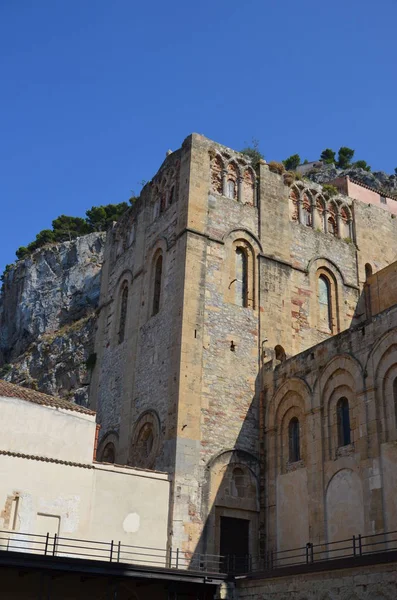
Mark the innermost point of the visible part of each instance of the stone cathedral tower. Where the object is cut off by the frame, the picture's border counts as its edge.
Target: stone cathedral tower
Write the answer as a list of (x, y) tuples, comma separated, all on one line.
[(217, 269)]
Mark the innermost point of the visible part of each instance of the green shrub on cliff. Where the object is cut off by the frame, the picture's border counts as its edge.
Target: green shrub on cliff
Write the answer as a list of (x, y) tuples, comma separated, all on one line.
[(65, 228)]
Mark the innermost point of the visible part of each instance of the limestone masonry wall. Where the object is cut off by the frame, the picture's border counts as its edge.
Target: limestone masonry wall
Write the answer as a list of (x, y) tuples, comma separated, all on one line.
[(252, 270)]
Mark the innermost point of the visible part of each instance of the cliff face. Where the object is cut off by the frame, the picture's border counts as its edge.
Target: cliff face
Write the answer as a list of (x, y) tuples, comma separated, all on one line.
[(378, 180), (47, 317)]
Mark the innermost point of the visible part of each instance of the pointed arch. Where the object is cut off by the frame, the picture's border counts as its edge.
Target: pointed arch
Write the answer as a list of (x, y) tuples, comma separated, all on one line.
[(240, 275), (217, 168), (294, 200), (307, 215), (249, 187)]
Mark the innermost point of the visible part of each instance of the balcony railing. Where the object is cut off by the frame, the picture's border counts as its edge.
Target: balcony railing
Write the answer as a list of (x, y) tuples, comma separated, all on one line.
[(162, 558), (113, 552), (356, 546)]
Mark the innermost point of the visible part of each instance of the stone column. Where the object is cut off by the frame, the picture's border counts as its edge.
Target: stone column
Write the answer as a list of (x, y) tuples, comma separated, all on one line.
[(313, 211), (240, 188), (338, 224), (224, 182), (325, 216), (350, 222), (300, 215)]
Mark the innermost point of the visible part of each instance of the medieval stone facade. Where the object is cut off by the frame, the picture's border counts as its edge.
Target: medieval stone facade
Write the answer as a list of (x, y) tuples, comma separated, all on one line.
[(215, 278)]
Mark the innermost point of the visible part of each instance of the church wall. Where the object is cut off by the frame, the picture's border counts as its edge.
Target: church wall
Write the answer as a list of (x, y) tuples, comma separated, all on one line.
[(376, 237), (360, 365), (381, 290), (192, 372), (136, 377), (218, 354)]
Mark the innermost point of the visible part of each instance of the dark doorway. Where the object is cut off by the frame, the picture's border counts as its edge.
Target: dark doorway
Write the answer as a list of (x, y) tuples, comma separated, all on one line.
[(234, 546)]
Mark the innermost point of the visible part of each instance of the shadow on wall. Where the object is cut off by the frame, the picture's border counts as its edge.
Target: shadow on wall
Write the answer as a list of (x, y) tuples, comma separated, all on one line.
[(230, 502)]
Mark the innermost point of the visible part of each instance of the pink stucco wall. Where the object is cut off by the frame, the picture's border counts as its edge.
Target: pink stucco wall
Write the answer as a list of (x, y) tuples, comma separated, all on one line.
[(358, 192)]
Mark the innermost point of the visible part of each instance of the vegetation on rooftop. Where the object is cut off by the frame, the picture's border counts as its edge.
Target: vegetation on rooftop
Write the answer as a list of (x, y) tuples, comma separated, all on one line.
[(253, 152)]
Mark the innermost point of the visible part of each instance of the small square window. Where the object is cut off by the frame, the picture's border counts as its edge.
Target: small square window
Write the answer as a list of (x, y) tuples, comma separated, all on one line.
[(383, 200)]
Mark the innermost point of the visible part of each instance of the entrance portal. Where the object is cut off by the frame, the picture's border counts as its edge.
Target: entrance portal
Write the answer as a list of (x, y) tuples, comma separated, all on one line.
[(234, 544)]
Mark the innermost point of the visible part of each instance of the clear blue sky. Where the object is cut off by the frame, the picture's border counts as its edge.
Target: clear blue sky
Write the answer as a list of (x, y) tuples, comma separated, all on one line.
[(94, 92)]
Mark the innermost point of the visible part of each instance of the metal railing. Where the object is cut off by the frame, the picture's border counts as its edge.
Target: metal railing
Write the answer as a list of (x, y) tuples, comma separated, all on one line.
[(113, 551), (162, 558), (356, 546)]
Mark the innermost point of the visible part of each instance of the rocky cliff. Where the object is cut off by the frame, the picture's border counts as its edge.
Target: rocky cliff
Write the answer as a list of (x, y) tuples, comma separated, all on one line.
[(379, 180), (47, 317)]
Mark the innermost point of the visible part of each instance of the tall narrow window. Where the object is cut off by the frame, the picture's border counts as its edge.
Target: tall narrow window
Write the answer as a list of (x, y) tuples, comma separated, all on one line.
[(343, 419), (241, 277), (306, 212), (324, 300), (395, 398), (231, 188), (123, 313), (294, 441), (157, 284), (331, 226)]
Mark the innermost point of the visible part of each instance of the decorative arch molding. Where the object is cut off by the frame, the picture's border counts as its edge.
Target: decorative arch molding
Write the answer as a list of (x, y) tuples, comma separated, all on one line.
[(246, 234), (326, 382), (218, 474), (232, 176), (322, 261), (241, 456), (381, 376), (145, 440), (161, 242), (379, 348), (341, 362), (235, 163), (296, 385), (240, 275), (111, 437), (342, 377), (125, 275), (344, 505), (316, 268)]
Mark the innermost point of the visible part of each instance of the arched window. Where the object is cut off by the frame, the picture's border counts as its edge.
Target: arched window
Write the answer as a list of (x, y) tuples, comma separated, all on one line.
[(172, 195), (158, 269), (306, 212), (241, 277), (231, 188), (238, 483), (395, 398), (324, 300), (368, 270), (331, 226), (145, 440), (343, 419), (123, 313), (294, 441), (109, 453)]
